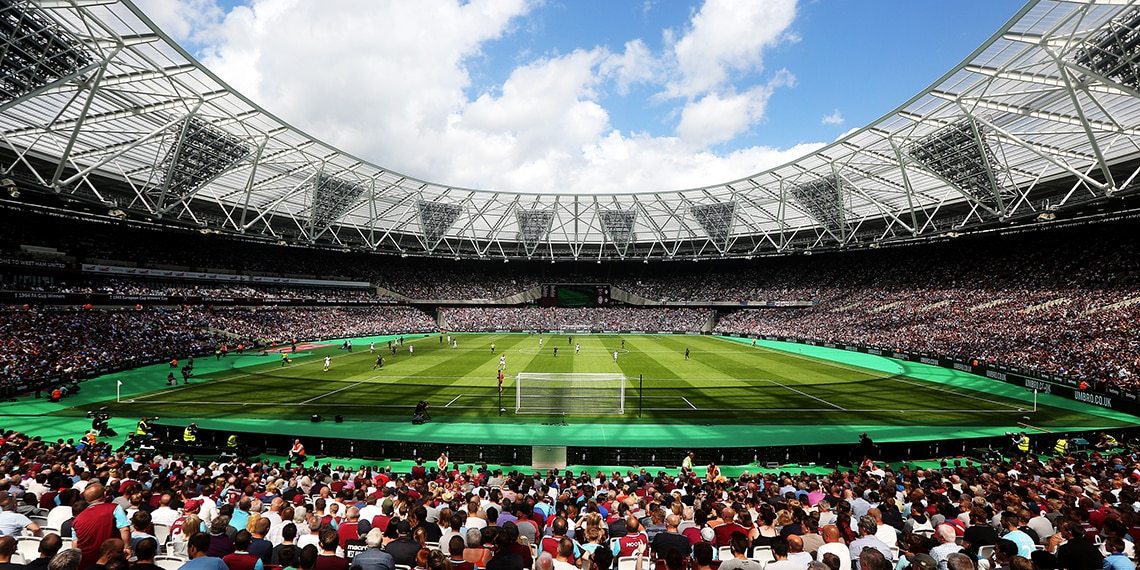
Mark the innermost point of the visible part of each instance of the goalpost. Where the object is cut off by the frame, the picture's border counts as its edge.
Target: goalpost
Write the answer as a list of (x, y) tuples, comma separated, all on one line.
[(568, 393)]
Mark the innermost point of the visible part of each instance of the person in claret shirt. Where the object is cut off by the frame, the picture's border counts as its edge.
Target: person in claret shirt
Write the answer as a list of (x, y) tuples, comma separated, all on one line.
[(328, 559), (241, 558)]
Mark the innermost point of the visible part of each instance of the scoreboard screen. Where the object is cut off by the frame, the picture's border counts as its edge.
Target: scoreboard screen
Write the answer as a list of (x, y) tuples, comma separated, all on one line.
[(575, 295)]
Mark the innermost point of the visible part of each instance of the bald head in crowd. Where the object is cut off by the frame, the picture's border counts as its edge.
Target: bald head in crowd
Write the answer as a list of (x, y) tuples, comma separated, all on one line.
[(830, 533), (94, 492), (544, 562), (795, 544)]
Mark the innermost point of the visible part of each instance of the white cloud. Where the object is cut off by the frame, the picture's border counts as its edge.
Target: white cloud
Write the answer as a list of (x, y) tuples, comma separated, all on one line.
[(182, 19), (727, 36), (716, 118), (388, 80), (836, 118)]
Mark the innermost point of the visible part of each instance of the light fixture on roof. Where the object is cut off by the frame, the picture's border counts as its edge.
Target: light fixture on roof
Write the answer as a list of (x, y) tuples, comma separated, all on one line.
[(10, 186)]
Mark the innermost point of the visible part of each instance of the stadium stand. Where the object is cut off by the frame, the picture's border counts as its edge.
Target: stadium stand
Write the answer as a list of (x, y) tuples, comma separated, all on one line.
[(593, 319), (1066, 506), (1047, 300)]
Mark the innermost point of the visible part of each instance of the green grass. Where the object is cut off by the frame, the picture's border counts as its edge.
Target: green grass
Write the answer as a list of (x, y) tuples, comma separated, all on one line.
[(723, 382)]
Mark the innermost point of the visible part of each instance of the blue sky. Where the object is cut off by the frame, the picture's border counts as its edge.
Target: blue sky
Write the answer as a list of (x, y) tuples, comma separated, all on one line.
[(550, 96)]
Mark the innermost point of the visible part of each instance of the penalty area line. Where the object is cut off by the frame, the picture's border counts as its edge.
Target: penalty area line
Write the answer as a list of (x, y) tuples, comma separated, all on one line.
[(688, 402), (365, 381), (453, 401), (802, 393)]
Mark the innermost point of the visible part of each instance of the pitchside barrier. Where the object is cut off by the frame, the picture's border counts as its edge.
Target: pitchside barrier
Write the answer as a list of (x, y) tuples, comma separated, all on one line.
[(1042, 383)]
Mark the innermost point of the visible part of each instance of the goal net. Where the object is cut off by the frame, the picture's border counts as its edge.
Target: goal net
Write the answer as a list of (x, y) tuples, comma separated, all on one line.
[(567, 393)]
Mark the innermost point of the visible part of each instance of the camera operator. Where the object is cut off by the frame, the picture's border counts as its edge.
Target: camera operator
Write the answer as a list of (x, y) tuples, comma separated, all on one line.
[(421, 415)]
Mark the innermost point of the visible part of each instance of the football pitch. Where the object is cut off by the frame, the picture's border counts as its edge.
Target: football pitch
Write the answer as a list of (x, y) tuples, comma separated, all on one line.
[(723, 381)]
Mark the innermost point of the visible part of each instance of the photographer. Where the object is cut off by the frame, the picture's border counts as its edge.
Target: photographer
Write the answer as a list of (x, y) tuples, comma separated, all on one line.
[(145, 427), (421, 416)]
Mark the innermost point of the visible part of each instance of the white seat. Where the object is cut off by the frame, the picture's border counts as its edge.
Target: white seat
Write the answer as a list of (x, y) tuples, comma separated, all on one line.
[(534, 552), (403, 567), (762, 554), (18, 558), (161, 533), (762, 563), (38, 519), (28, 546), (894, 553), (627, 563), (986, 551), (724, 553), (57, 516), (169, 562)]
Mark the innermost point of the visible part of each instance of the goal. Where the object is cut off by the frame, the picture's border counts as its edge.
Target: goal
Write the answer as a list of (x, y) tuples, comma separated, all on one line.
[(567, 393)]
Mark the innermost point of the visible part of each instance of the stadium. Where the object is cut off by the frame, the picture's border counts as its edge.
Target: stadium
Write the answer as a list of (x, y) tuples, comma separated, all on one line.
[(930, 288)]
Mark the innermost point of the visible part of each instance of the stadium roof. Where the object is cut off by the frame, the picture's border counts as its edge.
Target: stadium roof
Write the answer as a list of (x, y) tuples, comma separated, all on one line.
[(99, 106)]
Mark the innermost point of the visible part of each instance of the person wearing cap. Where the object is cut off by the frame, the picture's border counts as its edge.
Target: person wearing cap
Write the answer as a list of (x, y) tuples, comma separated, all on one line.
[(404, 548), (922, 562)]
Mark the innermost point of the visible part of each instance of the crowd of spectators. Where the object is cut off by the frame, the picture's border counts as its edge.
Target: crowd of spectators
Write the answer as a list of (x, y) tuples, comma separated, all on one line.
[(39, 345), (1093, 335), (430, 282), (141, 288), (280, 324), (595, 319), (48, 345), (1023, 512)]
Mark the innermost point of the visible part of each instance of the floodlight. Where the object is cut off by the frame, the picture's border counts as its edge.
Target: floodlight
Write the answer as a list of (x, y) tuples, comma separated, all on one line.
[(717, 220), (10, 186), (823, 199)]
